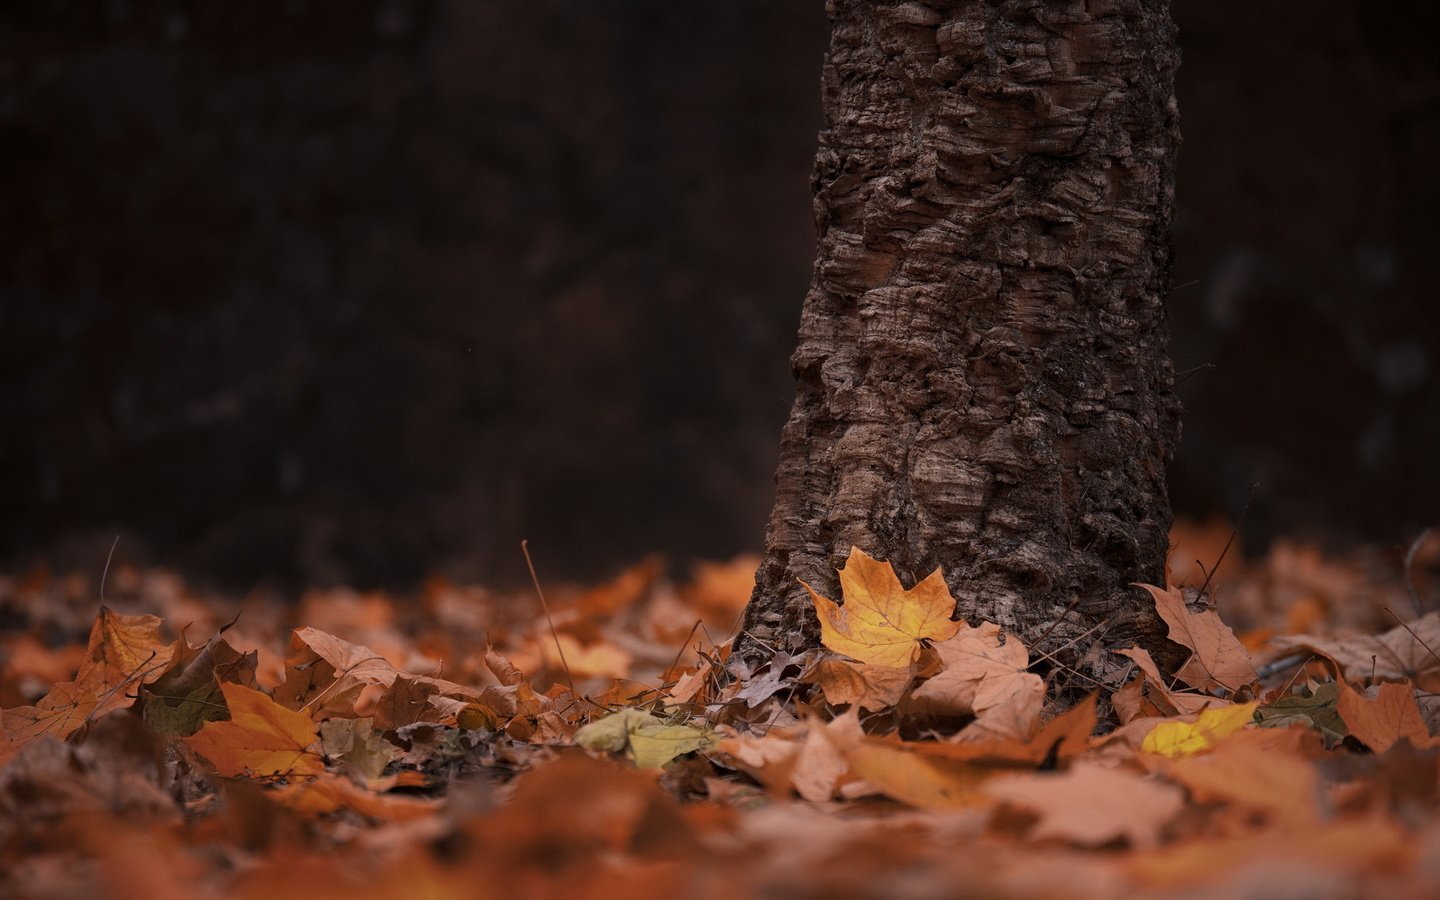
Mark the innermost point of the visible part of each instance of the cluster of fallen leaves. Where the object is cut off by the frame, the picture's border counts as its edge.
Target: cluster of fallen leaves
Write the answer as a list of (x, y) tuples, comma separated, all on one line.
[(462, 744)]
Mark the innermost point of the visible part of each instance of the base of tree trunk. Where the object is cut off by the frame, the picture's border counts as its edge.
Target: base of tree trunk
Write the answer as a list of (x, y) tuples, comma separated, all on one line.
[(983, 383)]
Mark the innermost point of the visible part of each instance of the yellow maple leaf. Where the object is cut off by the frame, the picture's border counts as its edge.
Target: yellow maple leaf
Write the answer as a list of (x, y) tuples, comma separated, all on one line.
[(261, 737), (881, 623), (1177, 739)]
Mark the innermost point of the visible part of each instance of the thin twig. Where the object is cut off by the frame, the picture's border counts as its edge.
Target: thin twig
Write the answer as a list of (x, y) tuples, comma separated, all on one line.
[(545, 607), (1233, 532), (109, 556), (1286, 689), (1070, 643), (681, 652), (1417, 637)]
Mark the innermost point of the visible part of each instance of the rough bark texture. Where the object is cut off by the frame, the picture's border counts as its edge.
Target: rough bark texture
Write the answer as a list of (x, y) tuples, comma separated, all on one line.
[(983, 382)]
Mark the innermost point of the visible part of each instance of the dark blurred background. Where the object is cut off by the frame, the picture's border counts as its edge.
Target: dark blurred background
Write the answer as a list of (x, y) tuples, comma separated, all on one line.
[(359, 290)]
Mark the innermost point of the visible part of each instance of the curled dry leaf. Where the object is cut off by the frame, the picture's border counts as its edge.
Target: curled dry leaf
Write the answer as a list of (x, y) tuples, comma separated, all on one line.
[(881, 623), (1154, 691), (813, 765), (1218, 659), (984, 672)]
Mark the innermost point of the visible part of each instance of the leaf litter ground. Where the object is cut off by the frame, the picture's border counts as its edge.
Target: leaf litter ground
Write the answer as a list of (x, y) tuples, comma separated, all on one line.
[(179, 744)]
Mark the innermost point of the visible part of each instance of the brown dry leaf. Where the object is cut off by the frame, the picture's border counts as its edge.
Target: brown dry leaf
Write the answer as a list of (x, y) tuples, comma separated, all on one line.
[(1092, 805), (187, 694), (327, 793), (984, 672), (504, 670), (1064, 737), (881, 623), (1379, 722), (324, 675), (692, 686), (846, 683), (123, 653), (59, 713), (1283, 787), (903, 772), (261, 737), (1167, 701), (1400, 653), (822, 763), (813, 765), (1132, 702), (769, 759), (1218, 658), (121, 646)]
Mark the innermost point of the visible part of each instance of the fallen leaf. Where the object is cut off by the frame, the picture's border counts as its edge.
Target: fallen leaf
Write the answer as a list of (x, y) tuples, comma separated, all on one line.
[(59, 713), (600, 659), (881, 623), (645, 738), (984, 671), (260, 738), (502, 668), (121, 646), (1282, 787), (1317, 709), (1403, 652), (813, 765), (1092, 805), (187, 694), (654, 746), (1159, 694), (917, 779), (1063, 737), (328, 793), (358, 744), (1379, 722), (1218, 659), (1177, 739), (123, 651), (845, 683)]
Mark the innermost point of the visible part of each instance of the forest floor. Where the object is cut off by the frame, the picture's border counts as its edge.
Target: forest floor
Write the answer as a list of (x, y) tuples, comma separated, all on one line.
[(464, 743)]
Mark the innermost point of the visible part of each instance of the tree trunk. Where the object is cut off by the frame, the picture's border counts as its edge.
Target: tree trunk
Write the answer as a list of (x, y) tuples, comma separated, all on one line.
[(983, 383)]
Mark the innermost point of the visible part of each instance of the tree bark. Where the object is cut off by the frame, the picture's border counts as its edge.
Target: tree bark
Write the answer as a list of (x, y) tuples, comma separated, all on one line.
[(983, 383)]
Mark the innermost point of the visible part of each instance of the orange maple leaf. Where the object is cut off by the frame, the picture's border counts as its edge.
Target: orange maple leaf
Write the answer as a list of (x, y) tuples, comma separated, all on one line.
[(1218, 659), (123, 650), (881, 623), (1380, 723), (260, 738)]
